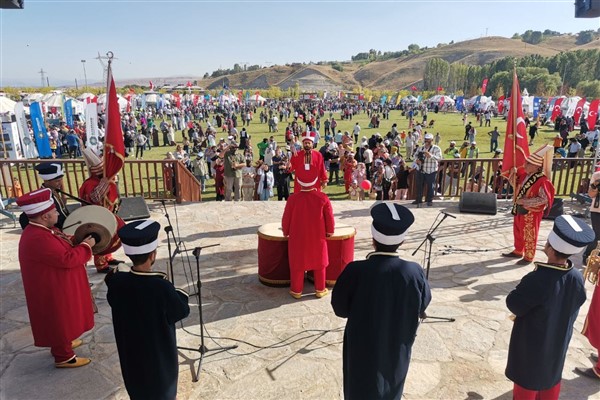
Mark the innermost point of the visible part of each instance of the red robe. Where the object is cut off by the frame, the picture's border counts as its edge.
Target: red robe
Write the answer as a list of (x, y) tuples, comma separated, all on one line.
[(56, 285), (90, 192), (526, 227), (591, 328), (316, 170), (307, 217)]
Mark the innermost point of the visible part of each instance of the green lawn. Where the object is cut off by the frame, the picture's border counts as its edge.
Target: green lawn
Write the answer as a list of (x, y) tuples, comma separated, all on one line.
[(449, 126)]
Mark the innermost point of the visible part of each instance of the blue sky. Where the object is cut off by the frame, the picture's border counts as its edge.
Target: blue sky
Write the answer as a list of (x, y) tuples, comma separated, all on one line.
[(188, 38)]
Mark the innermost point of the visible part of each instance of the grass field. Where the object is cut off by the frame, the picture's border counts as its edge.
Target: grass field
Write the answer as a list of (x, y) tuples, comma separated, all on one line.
[(450, 127)]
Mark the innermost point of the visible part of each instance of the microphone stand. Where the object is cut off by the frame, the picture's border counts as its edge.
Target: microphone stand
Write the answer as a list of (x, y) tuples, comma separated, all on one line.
[(170, 236), (428, 242), (202, 349)]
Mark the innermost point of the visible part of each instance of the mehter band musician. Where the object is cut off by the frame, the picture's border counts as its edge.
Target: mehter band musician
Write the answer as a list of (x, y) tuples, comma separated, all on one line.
[(145, 307), (52, 174), (305, 163), (383, 298), (546, 303), (56, 285), (101, 192), (534, 198)]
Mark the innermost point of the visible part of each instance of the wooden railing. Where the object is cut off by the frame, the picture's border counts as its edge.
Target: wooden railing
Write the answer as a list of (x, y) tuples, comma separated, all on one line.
[(151, 179), (165, 179), (460, 175)]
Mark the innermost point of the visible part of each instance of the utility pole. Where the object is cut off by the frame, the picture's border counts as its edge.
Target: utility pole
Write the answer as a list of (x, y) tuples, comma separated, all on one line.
[(84, 73), (43, 73)]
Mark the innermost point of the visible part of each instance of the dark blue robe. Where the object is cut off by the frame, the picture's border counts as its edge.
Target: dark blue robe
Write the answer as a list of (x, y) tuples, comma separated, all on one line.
[(145, 307), (546, 303), (382, 297)]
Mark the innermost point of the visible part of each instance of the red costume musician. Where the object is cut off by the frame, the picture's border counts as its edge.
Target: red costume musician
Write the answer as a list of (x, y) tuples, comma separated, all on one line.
[(591, 327), (307, 222), (56, 286), (101, 192), (534, 197), (308, 166)]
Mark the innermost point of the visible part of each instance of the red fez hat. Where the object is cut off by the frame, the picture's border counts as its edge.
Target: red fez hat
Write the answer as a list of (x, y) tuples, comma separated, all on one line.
[(37, 202)]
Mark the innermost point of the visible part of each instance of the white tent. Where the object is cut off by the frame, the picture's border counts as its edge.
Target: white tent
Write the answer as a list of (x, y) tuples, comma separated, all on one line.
[(84, 96), (55, 100), (408, 99), (228, 98), (255, 99), (33, 97), (120, 99), (7, 105), (436, 99)]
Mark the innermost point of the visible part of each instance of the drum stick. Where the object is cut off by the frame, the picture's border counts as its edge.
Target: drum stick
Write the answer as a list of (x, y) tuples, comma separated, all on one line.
[(73, 224)]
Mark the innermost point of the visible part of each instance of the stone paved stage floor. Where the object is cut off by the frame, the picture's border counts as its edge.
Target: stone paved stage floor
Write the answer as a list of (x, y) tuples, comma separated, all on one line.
[(293, 348)]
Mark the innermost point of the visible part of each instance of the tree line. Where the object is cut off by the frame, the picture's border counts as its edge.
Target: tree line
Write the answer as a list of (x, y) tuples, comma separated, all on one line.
[(569, 73)]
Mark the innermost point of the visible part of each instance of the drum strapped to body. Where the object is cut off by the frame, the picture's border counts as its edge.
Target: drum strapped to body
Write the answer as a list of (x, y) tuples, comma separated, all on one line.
[(98, 222)]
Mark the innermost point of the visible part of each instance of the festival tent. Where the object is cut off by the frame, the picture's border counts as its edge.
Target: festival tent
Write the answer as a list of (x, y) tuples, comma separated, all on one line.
[(224, 98), (484, 102), (409, 100), (55, 100), (33, 97), (255, 99), (436, 99), (120, 99), (7, 105), (84, 96)]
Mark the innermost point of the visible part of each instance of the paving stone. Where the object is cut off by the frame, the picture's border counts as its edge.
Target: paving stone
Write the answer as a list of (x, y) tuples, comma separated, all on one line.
[(295, 346)]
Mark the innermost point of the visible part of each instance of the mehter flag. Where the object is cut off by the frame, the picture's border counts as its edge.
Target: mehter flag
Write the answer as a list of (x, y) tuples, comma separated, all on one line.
[(516, 146), (114, 148), (593, 113)]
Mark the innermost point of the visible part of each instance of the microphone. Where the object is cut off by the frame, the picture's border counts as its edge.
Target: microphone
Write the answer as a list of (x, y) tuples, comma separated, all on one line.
[(448, 215)]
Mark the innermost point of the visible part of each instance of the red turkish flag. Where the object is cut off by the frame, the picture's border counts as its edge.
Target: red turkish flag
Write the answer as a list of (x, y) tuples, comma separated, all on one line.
[(114, 147), (500, 104), (578, 111), (442, 101), (413, 88), (189, 84), (439, 88), (593, 113), (151, 85), (556, 111), (516, 146)]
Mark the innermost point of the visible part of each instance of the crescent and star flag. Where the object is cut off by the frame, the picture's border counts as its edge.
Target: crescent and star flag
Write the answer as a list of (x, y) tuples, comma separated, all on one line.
[(114, 148), (556, 111), (593, 113), (516, 146), (578, 111), (484, 85), (500, 104)]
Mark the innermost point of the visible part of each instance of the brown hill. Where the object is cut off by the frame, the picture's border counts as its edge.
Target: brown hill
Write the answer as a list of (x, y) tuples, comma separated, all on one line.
[(397, 73)]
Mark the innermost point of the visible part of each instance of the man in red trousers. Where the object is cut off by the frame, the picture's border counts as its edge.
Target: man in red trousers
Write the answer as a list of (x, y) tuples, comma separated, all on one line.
[(535, 195), (56, 286), (307, 222)]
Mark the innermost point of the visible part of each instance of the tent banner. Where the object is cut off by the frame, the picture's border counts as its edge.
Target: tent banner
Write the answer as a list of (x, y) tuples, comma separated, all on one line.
[(39, 129), (27, 143), (91, 126)]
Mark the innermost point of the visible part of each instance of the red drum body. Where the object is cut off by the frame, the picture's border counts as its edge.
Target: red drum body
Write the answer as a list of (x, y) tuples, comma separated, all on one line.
[(340, 249), (273, 264)]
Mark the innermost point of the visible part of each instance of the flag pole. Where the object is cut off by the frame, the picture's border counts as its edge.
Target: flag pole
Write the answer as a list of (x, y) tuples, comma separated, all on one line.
[(514, 121)]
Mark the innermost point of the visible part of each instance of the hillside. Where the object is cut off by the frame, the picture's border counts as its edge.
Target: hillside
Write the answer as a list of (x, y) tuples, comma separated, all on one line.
[(397, 73)]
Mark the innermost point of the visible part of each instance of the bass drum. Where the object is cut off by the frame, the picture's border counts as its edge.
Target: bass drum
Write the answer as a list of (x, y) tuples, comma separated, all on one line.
[(96, 221), (115, 242)]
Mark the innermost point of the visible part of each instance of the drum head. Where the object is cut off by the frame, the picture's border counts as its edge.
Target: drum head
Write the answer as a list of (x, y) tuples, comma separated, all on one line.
[(271, 231), (91, 220), (343, 232)]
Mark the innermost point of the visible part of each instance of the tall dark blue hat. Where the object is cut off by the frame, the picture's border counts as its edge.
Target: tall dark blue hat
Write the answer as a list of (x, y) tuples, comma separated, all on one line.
[(570, 235), (49, 171), (139, 237), (390, 223)]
